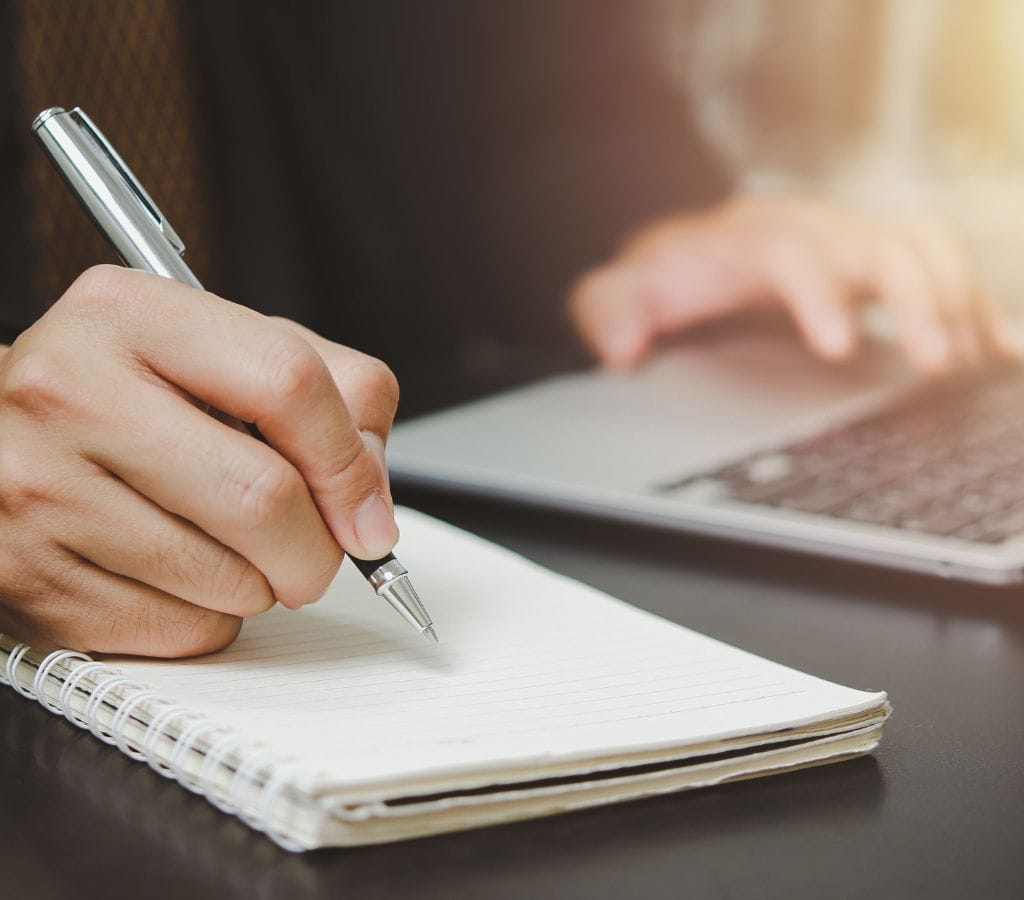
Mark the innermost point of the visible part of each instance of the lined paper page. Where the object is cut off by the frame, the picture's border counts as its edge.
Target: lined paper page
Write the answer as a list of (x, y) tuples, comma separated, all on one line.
[(531, 668)]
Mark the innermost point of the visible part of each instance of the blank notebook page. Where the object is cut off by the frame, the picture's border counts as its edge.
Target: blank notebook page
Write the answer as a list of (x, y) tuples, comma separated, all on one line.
[(532, 668)]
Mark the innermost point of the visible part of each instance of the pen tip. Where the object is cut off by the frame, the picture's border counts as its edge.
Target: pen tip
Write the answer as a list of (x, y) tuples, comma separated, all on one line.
[(429, 632)]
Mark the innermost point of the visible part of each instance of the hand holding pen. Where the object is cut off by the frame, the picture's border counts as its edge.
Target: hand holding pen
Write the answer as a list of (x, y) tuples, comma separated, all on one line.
[(136, 522)]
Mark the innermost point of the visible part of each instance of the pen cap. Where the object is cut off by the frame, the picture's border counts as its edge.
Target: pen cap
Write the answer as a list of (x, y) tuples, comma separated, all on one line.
[(111, 194)]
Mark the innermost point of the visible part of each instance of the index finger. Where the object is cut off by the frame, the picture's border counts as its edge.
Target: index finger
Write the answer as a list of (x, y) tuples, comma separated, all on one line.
[(368, 387), (248, 366)]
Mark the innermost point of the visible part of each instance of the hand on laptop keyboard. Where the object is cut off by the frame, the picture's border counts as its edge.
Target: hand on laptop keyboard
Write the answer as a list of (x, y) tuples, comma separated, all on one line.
[(816, 260)]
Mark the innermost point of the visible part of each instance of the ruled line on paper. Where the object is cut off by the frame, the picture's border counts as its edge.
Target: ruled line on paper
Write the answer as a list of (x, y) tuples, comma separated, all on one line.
[(397, 684), (603, 704), (414, 687), (486, 698), (536, 728), (298, 661), (361, 741), (536, 654), (263, 676)]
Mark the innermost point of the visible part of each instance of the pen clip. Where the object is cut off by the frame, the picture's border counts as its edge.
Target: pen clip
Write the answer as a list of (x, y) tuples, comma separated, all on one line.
[(104, 146)]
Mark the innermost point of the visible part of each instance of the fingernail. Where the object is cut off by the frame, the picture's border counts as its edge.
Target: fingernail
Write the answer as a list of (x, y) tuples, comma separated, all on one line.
[(375, 526)]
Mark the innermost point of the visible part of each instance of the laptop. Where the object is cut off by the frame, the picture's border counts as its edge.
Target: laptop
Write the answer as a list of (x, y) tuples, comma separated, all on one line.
[(740, 433)]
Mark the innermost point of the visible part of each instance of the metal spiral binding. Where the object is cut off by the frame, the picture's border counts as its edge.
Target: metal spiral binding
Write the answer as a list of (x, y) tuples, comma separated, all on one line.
[(184, 745), (73, 681), (92, 707), (158, 728), (121, 718), (58, 657), (17, 654), (259, 777)]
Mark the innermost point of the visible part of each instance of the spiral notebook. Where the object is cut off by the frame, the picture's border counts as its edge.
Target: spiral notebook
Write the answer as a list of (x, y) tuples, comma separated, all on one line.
[(336, 725)]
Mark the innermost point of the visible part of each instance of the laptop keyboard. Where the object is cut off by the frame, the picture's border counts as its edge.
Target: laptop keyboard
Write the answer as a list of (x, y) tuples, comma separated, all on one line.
[(947, 460)]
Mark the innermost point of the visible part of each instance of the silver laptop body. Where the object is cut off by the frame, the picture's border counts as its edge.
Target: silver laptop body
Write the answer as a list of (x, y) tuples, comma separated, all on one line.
[(636, 444)]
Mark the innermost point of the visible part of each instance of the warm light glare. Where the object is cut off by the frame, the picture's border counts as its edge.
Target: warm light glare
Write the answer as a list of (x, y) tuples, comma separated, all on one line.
[(894, 105)]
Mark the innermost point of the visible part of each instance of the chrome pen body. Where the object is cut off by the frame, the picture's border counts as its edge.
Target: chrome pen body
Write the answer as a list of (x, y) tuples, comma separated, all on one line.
[(390, 579), (139, 232), (111, 194)]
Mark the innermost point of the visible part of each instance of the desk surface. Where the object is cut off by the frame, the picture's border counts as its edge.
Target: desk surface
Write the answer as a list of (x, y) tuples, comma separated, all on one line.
[(937, 812)]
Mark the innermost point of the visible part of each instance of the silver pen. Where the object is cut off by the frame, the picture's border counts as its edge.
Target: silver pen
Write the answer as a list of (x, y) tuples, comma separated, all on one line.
[(144, 239)]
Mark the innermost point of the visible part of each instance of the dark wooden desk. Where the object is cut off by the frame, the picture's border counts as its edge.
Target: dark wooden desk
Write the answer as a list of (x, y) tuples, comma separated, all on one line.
[(937, 812)]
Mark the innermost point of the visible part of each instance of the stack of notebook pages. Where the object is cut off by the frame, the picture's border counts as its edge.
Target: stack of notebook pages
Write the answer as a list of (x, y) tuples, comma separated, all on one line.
[(335, 725)]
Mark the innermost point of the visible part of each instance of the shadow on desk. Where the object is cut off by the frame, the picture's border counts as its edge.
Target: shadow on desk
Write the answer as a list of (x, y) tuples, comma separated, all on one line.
[(121, 830)]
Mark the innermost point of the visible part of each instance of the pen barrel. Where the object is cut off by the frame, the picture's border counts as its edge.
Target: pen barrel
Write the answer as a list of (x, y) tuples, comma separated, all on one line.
[(368, 566), (107, 190)]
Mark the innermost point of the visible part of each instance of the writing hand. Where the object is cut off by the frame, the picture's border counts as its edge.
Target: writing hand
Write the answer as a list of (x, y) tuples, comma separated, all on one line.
[(136, 522)]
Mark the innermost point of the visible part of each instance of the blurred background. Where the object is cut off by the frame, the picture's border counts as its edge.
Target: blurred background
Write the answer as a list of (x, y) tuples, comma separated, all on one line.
[(413, 176), (891, 105)]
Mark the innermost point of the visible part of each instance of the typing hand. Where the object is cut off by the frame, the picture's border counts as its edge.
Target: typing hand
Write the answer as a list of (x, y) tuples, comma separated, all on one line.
[(136, 522), (816, 260)]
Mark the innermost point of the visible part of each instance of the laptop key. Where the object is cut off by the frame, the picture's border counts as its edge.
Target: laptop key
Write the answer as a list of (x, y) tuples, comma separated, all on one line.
[(947, 460)]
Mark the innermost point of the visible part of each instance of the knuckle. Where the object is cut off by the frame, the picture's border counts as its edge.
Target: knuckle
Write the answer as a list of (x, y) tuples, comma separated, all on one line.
[(21, 484), (96, 289), (351, 475), (292, 367), (192, 632), (381, 379), (312, 586), (379, 382), (263, 498), (319, 584), (237, 583), (36, 381)]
